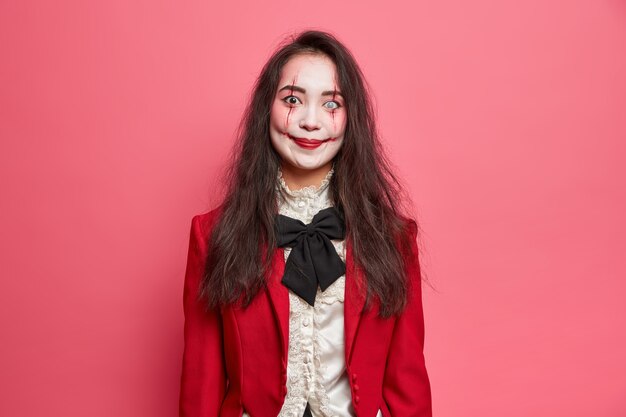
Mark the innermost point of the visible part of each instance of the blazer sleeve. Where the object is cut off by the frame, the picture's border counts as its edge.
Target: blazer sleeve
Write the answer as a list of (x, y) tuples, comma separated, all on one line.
[(406, 386), (203, 379)]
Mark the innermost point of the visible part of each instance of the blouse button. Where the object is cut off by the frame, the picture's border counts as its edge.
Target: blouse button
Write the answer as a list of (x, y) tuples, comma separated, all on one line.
[(305, 322), (300, 203)]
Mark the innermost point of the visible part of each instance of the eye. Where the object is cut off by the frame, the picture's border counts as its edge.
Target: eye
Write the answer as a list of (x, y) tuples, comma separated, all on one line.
[(291, 100), (332, 102)]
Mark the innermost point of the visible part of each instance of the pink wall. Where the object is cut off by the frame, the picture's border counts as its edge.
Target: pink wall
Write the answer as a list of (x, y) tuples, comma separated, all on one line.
[(507, 120)]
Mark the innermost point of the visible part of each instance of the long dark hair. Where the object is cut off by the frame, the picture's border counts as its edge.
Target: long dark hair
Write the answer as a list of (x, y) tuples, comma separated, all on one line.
[(363, 187)]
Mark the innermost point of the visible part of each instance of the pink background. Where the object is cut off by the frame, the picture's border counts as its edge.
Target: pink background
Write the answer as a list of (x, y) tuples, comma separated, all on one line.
[(507, 121)]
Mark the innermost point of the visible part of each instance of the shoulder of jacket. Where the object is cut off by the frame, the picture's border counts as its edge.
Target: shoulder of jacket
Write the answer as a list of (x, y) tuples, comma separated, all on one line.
[(205, 221), (410, 226)]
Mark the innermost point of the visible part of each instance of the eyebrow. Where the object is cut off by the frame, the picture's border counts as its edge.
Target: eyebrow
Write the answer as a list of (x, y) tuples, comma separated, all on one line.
[(303, 91)]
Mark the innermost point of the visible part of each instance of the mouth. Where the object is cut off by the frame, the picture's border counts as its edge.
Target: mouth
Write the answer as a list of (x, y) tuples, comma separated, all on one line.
[(308, 143)]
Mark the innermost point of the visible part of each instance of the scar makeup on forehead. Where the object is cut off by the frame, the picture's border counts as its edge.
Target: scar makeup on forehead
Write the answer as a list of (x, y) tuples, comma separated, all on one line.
[(293, 83)]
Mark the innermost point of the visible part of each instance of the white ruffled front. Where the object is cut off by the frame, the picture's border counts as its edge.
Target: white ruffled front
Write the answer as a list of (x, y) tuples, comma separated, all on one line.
[(316, 369)]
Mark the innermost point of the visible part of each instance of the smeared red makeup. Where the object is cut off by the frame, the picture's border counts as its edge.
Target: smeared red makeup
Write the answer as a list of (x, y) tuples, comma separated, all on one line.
[(305, 129), (333, 111), (293, 83)]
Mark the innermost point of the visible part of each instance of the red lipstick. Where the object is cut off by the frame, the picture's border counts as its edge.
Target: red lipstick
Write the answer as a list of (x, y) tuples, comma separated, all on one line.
[(308, 143)]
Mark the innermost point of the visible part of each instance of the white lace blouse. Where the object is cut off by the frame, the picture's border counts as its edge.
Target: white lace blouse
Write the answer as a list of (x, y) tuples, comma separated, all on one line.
[(316, 369)]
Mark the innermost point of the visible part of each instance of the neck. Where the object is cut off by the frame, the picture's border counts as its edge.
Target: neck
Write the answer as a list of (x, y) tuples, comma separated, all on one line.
[(297, 178)]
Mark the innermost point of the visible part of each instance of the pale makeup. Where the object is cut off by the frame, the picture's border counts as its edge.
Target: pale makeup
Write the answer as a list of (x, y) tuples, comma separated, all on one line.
[(308, 118)]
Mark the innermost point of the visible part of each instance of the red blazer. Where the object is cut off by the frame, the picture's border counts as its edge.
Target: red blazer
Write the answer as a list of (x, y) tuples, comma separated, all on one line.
[(235, 359)]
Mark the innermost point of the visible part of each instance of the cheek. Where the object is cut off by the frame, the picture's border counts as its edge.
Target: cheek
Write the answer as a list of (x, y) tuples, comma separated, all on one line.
[(337, 122), (281, 117), (277, 117)]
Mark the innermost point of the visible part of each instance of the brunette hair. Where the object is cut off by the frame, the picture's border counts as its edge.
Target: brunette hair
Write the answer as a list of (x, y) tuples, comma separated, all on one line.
[(363, 187)]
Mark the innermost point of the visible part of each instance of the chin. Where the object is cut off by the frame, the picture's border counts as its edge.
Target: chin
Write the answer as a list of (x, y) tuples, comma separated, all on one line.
[(308, 165)]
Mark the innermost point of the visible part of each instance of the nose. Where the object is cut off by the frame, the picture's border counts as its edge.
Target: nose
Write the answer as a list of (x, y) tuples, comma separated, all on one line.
[(310, 121)]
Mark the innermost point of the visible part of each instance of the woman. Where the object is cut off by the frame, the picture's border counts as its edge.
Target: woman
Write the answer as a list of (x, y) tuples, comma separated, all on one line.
[(302, 289)]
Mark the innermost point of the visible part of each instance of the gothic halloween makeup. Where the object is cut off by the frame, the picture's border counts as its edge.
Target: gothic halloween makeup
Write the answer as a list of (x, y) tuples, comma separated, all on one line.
[(308, 115)]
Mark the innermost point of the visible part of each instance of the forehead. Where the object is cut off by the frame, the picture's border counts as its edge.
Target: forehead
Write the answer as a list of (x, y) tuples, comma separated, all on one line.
[(309, 71)]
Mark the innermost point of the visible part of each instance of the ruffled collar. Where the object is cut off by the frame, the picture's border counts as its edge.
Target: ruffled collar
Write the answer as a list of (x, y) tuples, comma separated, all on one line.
[(309, 191)]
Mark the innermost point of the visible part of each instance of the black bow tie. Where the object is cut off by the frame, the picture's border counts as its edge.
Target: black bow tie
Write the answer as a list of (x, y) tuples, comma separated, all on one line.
[(313, 259)]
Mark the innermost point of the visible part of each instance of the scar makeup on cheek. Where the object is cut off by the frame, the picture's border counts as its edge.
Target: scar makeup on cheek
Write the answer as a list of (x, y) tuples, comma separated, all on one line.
[(332, 112), (293, 83)]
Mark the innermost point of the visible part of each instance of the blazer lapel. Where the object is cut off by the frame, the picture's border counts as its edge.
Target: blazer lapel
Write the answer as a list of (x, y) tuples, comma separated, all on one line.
[(354, 301), (279, 296), (353, 304)]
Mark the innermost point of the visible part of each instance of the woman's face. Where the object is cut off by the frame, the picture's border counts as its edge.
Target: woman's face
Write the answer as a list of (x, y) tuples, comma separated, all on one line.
[(308, 116)]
